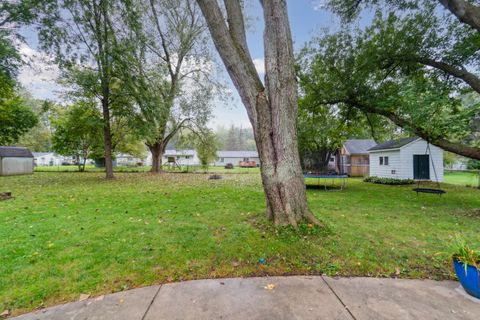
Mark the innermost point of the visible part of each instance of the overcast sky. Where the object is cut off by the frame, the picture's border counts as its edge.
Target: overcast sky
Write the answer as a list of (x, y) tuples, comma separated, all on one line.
[(306, 20)]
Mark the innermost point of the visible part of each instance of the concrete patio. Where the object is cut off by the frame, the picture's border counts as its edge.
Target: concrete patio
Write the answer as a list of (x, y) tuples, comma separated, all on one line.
[(296, 297)]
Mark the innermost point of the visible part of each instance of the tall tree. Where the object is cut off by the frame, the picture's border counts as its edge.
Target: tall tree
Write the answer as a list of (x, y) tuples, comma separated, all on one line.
[(82, 37), (167, 71), (272, 108)]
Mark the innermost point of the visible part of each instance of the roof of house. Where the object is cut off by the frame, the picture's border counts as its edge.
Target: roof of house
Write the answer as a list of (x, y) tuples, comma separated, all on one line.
[(16, 152), (359, 146), (41, 154), (237, 154), (179, 153), (393, 144)]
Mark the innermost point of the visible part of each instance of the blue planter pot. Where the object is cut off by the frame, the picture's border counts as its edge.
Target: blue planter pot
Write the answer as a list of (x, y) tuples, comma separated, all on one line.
[(469, 279)]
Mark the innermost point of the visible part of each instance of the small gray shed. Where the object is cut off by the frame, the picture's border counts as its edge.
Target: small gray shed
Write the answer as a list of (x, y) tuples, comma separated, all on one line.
[(15, 161)]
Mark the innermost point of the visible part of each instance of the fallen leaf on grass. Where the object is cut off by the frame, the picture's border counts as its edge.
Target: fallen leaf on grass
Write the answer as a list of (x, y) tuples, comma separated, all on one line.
[(84, 296)]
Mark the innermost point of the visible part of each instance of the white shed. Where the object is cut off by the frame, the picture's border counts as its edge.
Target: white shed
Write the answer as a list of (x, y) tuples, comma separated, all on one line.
[(15, 161), (408, 158)]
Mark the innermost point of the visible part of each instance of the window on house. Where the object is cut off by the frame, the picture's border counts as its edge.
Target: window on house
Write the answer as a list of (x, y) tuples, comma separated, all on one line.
[(385, 160), (222, 159), (187, 157), (332, 159), (381, 161), (245, 159)]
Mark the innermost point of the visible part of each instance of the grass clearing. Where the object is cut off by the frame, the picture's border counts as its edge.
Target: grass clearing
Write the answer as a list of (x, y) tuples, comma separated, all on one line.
[(70, 233), (135, 169), (462, 178)]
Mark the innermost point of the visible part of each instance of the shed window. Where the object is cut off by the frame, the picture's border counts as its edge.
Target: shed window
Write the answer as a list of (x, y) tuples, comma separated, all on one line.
[(381, 161), (385, 161)]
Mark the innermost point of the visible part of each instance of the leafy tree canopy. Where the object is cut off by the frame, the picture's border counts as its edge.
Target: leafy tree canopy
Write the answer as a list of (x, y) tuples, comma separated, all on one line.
[(16, 118), (391, 69), (78, 131)]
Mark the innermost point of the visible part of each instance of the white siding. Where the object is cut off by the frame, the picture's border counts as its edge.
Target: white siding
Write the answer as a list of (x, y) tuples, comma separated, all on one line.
[(392, 170), (49, 159), (234, 161), (16, 166), (419, 147)]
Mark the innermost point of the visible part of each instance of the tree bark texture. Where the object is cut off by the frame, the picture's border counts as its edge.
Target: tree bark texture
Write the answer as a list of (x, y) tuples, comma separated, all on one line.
[(464, 11), (157, 149), (273, 108), (107, 139)]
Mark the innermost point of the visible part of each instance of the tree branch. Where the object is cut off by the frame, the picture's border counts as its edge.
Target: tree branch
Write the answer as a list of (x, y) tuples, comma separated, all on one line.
[(457, 148), (239, 65), (458, 72)]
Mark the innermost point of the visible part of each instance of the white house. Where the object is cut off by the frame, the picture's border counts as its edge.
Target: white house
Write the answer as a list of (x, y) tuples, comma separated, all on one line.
[(190, 157), (43, 159), (408, 158), (124, 159), (182, 157), (234, 157), (15, 161)]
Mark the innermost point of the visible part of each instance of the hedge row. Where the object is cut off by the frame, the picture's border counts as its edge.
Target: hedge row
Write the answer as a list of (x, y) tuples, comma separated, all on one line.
[(390, 181)]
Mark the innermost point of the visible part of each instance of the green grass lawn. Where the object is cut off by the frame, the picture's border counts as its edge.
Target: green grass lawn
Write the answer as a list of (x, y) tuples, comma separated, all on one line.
[(184, 169), (462, 178), (70, 233)]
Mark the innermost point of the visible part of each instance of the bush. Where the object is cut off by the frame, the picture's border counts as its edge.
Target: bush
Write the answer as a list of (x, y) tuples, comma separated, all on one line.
[(389, 181), (473, 164)]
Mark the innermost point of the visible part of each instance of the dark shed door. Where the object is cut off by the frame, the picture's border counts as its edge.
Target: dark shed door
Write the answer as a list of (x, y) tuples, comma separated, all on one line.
[(421, 166)]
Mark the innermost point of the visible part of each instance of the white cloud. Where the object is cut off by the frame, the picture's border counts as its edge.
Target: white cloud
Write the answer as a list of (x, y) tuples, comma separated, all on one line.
[(39, 74), (319, 5), (259, 65)]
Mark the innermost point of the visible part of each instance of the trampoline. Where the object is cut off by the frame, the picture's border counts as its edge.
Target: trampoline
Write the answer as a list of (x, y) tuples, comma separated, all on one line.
[(342, 179)]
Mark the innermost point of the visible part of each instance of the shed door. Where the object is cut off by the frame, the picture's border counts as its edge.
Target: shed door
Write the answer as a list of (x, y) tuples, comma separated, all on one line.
[(421, 166)]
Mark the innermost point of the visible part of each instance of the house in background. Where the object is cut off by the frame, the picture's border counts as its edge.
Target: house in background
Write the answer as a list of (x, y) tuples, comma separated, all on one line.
[(15, 161), (190, 157), (44, 159), (181, 157), (127, 160), (354, 157), (407, 158), (235, 157)]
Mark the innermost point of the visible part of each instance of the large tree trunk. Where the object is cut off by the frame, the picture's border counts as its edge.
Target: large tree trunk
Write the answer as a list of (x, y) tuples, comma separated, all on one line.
[(107, 138), (272, 110), (281, 172), (464, 11), (157, 149)]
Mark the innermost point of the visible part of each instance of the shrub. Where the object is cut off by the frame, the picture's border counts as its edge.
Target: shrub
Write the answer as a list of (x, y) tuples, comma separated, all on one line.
[(389, 181)]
